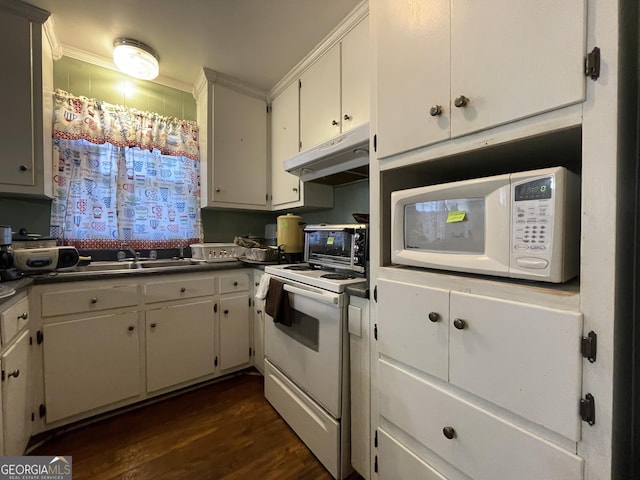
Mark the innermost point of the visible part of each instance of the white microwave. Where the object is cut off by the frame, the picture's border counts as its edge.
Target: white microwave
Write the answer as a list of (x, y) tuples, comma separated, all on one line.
[(519, 225)]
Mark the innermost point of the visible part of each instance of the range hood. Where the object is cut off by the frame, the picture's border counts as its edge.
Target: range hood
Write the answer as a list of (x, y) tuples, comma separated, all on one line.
[(348, 152)]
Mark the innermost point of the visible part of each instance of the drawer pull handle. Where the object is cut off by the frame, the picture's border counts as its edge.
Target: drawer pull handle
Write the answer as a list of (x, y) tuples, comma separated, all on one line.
[(182, 290), (153, 325), (94, 300), (131, 328), (15, 374), (434, 316), (449, 432), (23, 316), (460, 324)]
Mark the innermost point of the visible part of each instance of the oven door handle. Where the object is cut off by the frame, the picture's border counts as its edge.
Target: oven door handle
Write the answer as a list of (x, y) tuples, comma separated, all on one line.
[(329, 298)]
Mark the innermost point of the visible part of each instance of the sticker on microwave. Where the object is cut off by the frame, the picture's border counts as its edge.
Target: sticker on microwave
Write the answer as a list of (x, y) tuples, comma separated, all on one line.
[(457, 216)]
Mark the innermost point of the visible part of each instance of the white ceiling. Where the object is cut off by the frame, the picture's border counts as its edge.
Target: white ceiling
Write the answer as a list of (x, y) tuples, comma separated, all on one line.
[(255, 41)]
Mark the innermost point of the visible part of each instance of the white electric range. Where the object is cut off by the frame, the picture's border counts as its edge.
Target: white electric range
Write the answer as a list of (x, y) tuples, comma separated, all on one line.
[(325, 278)]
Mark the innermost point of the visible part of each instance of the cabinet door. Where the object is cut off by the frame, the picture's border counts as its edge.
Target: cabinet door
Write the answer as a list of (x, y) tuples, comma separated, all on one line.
[(522, 357), (258, 334), (320, 100), (413, 326), (90, 363), (412, 73), (285, 139), (240, 148), (355, 76), (179, 343), (16, 404), (234, 331), (482, 445), (514, 59), (16, 131)]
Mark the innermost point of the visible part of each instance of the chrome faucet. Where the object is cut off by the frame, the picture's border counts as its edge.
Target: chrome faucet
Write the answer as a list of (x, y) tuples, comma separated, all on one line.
[(126, 247)]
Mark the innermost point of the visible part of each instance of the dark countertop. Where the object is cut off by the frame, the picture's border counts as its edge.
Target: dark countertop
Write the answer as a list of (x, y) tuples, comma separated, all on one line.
[(62, 277), (17, 285), (359, 290)]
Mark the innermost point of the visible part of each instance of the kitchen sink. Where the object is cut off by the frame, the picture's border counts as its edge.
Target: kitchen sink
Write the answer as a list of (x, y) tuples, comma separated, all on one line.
[(131, 265)]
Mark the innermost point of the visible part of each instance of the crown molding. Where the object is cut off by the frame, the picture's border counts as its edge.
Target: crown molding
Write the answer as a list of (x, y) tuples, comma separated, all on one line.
[(359, 13), (208, 75), (49, 29), (105, 62)]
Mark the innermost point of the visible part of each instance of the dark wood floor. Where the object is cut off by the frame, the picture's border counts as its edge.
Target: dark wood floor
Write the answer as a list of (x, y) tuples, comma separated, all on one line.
[(226, 430)]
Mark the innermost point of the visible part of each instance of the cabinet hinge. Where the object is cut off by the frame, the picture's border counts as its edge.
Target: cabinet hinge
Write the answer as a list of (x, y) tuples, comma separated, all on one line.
[(375, 142), (249, 301), (33, 417), (588, 409), (39, 337), (266, 197), (375, 439), (250, 351), (299, 83), (2, 375), (375, 293), (30, 340), (592, 64), (375, 331), (215, 308), (300, 146), (589, 346), (268, 109), (375, 464), (42, 410), (215, 362)]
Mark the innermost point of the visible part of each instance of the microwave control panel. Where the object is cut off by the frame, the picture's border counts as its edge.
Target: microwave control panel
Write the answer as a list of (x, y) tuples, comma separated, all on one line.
[(532, 223)]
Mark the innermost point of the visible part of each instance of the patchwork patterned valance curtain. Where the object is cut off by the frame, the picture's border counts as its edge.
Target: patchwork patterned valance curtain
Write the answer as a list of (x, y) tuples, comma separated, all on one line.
[(123, 175)]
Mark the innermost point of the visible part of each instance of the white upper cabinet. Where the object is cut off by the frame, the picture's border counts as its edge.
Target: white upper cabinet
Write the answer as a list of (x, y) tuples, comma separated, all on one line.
[(27, 95), (355, 77), (285, 138), (320, 100), (447, 68), (233, 142)]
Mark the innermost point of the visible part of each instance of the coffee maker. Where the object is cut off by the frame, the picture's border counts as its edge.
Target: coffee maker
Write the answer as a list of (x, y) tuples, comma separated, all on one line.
[(7, 270)]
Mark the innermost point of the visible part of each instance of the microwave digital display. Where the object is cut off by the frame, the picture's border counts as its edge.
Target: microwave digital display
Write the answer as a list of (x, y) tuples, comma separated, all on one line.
[(456, 225), (534, 190)]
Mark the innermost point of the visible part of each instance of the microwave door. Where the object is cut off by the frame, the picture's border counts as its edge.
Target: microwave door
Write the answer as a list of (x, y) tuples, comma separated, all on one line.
[(459, 227)]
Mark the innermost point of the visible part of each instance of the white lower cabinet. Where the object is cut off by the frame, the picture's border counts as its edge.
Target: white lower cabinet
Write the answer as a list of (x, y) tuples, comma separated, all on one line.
[(179, 344), (90, 362), (16, 401), (481, 445), (258, 324), (105, 344), (487, 386)]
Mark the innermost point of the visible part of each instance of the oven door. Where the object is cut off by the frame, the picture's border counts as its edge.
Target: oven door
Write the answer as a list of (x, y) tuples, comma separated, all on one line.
[(309, 352)]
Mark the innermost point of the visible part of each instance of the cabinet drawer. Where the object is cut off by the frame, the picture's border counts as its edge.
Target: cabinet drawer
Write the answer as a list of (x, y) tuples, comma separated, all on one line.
[(484, 446), (168, 290), (413, 326), (396, 461), (13, 319), (522, 357), (89, 299), (234, 282)]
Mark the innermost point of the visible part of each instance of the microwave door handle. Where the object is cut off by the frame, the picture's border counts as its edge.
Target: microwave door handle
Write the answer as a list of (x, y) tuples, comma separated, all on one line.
[(320, 297)]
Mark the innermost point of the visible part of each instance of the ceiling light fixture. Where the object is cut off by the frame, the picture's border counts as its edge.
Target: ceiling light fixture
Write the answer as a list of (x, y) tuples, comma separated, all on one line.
[(135, 58)]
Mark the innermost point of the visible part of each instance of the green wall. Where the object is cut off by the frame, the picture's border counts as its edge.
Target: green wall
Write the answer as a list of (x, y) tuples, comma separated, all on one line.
[(86, 80)]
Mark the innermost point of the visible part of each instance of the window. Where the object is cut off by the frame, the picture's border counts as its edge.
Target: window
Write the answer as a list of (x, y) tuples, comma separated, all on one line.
[(123, 175)]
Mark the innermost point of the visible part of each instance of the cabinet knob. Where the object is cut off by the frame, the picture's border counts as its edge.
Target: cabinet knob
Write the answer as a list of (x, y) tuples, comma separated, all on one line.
[(334, 122), (153, 325), (460, 324), (295, 189), (435, 111), (347, 117), (449, 432), (23, 316), (461, 101), (257, 284), (23, 168), (217, 189), (434, 316), (182, 290), (226, 312), (258, 312), (131, 328), (94, 300), (235, 284), (15, 373)]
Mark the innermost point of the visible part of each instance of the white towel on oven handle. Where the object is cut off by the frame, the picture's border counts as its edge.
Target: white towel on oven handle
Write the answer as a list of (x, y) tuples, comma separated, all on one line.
[(263, 287)]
